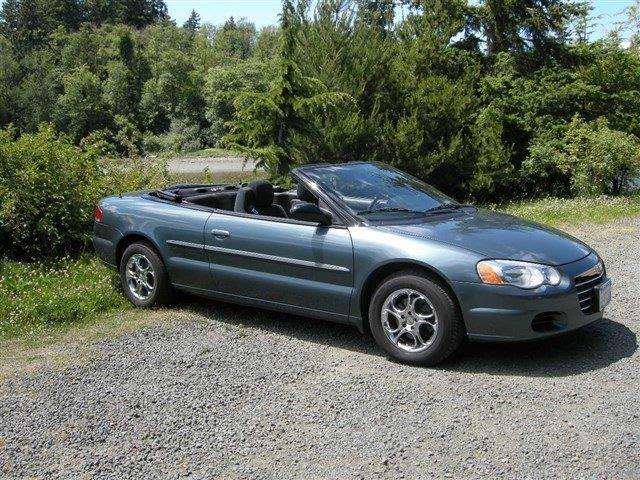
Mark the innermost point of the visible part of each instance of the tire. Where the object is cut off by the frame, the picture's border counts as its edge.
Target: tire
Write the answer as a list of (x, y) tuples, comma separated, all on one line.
[(433, 327), (140, 261)]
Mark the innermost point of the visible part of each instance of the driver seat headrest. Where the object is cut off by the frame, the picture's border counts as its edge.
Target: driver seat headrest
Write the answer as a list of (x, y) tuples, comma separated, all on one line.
[(262, 193)]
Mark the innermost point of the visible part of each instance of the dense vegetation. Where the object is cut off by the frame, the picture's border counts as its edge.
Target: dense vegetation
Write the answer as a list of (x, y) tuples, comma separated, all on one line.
[(487, 100)]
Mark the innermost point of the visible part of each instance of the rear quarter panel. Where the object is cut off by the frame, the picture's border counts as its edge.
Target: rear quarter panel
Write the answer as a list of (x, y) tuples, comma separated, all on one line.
[(157, 222)]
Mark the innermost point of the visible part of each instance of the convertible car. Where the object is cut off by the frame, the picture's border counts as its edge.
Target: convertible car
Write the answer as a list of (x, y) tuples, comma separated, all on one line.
[(357, 243)]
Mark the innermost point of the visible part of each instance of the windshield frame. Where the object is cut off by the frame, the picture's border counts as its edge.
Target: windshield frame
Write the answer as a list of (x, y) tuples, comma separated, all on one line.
[(303, 173)]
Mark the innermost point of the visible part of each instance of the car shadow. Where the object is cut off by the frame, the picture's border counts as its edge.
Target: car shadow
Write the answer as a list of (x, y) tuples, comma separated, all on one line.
[(593, 347)]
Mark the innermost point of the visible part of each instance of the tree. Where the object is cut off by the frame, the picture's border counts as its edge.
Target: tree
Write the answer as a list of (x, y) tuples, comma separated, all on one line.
[(235, 39), (9, 78), (81, 109), (224, 83), (378, 13), (270, 127), (193, 22), (537, 26), (29, 23)]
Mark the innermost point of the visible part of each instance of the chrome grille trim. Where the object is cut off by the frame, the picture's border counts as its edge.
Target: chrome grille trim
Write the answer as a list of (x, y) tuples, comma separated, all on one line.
[(585, 287)]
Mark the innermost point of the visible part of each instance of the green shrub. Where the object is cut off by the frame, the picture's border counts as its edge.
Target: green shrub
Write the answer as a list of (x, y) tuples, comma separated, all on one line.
[(131, 175), (585, 158), (36, 297), (49, 189)]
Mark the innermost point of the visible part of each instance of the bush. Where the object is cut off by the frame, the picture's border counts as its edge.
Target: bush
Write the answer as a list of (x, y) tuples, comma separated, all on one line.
[(36, 297), (49, 189), (585, 158), (182, 137)]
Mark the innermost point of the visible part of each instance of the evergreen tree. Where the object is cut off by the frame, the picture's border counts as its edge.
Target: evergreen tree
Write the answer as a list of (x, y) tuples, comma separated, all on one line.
[(537, 26), (193, 22), (270, 127)]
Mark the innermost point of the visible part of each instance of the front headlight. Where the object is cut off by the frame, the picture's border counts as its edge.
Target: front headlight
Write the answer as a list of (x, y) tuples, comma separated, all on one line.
[(519, 274)]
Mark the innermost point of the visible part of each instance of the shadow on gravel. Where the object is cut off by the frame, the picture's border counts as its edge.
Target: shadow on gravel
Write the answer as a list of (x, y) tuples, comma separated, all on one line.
[(590, 348), (301, 328)]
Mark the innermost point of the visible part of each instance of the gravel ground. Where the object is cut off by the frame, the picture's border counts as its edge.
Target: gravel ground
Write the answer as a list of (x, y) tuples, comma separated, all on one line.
[(214, 164), (239, 393)]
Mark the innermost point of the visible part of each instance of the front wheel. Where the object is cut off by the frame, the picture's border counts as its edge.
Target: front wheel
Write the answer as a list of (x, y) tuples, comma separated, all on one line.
[(415, 320), (144, 277)]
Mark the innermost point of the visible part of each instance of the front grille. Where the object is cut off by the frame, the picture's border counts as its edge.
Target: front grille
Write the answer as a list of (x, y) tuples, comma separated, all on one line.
[(586, 287)]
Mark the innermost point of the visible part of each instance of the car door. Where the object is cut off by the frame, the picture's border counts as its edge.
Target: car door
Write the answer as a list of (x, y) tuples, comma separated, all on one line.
[(282, 262), (179, 233)]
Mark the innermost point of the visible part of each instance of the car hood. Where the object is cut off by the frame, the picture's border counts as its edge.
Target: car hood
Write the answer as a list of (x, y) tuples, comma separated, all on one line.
[(497, 235)]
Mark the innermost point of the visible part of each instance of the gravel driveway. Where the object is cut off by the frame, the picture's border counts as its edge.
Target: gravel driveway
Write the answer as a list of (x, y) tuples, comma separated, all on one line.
[(240, 393)]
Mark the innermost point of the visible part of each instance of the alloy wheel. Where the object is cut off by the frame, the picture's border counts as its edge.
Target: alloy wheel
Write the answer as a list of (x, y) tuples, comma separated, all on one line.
[(140, 276), (409, 320)]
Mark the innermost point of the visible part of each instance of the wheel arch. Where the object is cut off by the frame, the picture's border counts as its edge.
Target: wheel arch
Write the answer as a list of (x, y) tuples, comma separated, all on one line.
[(131, 238), (382, 272)]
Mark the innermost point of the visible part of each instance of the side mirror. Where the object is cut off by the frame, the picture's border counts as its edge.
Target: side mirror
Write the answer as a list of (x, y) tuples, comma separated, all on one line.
[(310, 212)]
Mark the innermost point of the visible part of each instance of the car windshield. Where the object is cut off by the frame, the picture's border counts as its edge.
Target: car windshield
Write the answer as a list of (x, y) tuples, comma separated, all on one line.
[(378, 191)]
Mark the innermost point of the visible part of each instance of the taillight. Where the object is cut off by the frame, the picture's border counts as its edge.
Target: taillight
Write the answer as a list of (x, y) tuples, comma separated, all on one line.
[(97, 214)]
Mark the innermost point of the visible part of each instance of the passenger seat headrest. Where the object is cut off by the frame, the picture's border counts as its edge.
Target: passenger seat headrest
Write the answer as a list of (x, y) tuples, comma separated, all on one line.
[(262, 193), (305, 195)]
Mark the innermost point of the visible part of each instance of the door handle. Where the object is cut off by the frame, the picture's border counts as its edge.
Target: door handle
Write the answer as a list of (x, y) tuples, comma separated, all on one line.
[(220, 233)]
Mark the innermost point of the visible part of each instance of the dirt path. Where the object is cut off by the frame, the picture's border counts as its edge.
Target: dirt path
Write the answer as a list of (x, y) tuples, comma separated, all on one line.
[(214, 164)]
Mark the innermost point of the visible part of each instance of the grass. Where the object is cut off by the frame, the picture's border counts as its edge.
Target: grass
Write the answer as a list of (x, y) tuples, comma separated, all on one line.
[(38, 298), (575, 211)]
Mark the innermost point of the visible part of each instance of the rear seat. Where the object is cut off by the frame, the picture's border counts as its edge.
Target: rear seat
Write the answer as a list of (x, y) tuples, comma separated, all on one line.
[(220, 200)]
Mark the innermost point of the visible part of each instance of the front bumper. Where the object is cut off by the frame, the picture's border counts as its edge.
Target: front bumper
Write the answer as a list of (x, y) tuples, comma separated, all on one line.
[(506, 313)]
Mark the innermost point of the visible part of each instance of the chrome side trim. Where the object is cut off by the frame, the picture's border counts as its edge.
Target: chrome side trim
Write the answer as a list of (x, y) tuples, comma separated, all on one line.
[(261, 256), (275, 258), (180, 243)]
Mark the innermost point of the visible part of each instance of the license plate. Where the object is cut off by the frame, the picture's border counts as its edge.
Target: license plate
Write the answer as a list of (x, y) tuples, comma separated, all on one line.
[(604, 295)]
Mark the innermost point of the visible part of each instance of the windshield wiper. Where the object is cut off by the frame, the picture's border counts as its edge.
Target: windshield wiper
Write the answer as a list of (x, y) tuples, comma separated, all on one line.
[(448, 206), (389, 209)]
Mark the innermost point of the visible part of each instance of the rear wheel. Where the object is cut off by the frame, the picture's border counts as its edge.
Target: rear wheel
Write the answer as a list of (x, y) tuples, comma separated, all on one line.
[(144, 277), (414, 319)]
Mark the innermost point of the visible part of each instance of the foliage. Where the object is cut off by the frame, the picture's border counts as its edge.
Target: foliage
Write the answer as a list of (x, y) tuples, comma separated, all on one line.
[(589, 158), (45, 184), (28, 23), (225, 82), (36, 297), (50, 187), (269, 126), (476, 97)]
